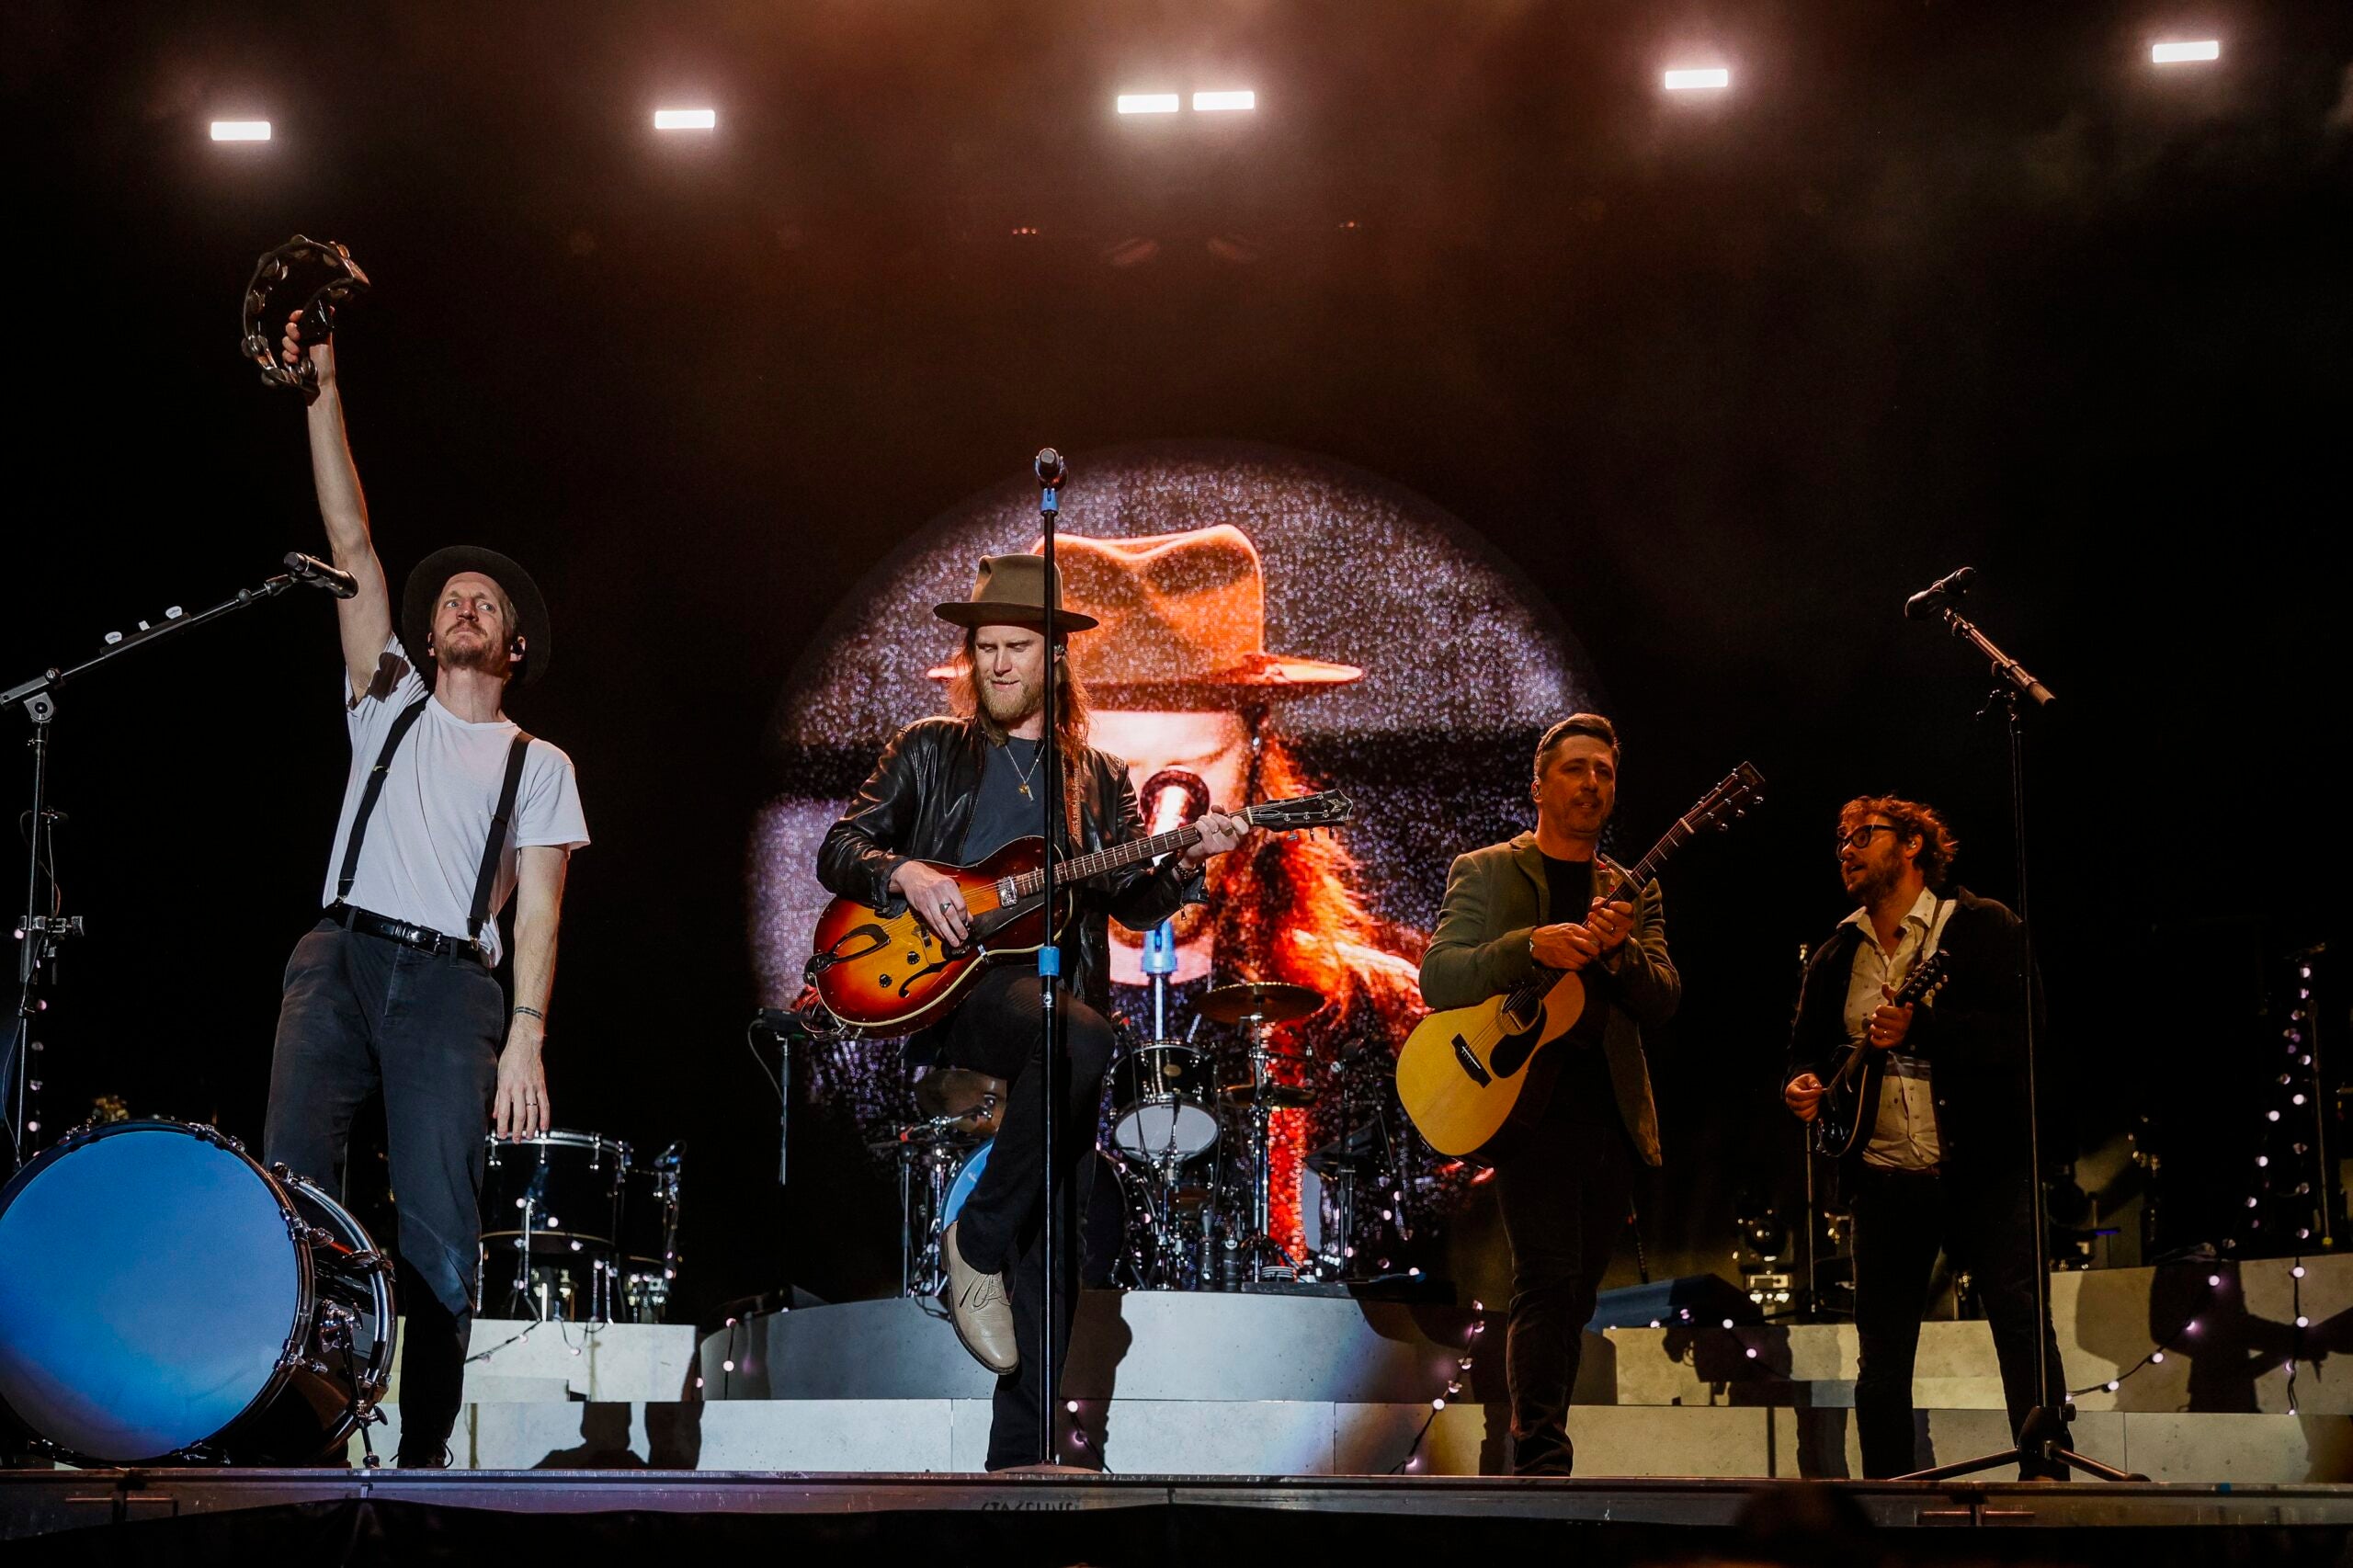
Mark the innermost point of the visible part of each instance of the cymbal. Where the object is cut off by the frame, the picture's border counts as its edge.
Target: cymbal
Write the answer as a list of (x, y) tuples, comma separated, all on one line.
[(974, 1100), (1270, 1001)]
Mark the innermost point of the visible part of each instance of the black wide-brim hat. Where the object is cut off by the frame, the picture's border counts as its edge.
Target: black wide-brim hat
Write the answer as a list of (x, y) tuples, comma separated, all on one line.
[(425, 587)]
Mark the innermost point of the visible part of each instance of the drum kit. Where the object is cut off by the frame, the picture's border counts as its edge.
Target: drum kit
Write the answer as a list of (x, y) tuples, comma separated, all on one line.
[(579, 1229), (1183, 1198)]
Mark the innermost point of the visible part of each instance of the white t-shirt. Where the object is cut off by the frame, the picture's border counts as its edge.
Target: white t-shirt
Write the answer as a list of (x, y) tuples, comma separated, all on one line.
[(423, 849)]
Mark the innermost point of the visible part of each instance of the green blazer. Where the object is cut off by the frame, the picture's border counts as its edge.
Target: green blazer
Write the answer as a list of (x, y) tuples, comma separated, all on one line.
[(1495, 897)]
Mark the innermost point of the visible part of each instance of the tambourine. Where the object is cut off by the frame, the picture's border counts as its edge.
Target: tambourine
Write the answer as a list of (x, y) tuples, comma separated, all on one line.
[(296, 264)]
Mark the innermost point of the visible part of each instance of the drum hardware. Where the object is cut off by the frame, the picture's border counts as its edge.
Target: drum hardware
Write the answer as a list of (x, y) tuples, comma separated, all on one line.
[(1257, 1007), (974, 1101)]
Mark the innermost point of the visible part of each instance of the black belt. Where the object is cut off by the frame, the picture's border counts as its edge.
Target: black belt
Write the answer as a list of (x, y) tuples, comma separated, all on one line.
[(424, 939)]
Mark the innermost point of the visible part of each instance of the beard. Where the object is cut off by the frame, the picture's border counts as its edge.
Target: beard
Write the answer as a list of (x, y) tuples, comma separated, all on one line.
[(1008, 707), (470, 648), (1877, 881)]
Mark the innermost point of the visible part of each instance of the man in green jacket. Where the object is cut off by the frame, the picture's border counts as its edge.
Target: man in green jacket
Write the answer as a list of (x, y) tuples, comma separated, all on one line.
[(1564, 1172)]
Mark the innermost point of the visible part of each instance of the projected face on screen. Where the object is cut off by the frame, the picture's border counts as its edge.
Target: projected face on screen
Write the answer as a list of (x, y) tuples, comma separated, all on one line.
[(1272, 624)]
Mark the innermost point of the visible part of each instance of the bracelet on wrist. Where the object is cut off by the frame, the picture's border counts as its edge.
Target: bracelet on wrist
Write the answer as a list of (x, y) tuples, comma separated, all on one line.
[(532, 1012)]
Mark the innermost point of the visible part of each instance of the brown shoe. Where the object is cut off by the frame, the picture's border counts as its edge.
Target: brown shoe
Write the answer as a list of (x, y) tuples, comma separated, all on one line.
[(981, 1310)]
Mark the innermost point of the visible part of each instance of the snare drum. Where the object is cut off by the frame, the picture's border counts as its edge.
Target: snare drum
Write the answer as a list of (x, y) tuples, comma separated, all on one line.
[(163, 1298), (1166, 1098)]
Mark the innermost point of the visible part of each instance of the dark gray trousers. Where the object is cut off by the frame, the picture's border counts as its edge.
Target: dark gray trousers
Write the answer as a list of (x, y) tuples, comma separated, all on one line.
[(360, 1014), (1002, 1225)]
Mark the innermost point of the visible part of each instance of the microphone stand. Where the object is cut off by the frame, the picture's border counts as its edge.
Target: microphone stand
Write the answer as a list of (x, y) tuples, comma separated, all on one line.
[(1050, 470), (43, 930), (2038, 1438)]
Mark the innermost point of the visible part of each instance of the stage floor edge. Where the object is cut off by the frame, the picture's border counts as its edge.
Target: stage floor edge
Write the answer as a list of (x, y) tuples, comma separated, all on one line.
[(38, 1503)]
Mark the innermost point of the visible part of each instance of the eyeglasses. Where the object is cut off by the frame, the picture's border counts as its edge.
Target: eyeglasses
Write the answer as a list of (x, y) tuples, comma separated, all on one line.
[(1860, 839)]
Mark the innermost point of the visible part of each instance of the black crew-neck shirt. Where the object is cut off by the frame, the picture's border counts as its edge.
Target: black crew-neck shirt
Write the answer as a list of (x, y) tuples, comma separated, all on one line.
[(1001, 814), (1584, 1092)]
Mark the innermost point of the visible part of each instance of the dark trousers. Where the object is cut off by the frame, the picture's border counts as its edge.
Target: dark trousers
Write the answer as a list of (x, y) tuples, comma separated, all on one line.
[(1002, 1225), (361, 1014), (1983, 1223), (1564, 1192)]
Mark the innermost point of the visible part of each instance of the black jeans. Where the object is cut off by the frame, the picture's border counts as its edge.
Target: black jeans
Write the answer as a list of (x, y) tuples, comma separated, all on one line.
[(1565, 1194), (1002, 1224), (360, 1014), (1983, 1223)]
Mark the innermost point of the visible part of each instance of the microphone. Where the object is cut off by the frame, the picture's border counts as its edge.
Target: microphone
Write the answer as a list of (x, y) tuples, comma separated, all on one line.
[(1933, 597), (1173, 798), (319, 574), (1049, 468)]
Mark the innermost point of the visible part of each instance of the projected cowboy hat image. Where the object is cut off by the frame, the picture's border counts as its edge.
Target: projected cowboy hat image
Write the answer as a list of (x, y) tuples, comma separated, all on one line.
[(1183, 687)]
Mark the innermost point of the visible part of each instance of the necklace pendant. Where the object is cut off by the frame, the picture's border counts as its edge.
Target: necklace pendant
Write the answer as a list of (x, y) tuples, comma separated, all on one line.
[(1025, 792)]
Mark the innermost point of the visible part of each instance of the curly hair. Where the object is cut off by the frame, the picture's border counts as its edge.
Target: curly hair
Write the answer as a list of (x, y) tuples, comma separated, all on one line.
[(1911, 819)]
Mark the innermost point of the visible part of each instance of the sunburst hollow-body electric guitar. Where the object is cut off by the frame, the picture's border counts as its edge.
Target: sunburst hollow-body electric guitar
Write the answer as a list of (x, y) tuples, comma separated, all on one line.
[(883, 973)]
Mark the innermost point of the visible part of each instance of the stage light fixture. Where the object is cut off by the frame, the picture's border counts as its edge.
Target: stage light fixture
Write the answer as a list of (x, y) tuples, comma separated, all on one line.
[(1218, 103), (1697, 79), (1149, 103), (686, 120), (2183, 53), (241, 130)]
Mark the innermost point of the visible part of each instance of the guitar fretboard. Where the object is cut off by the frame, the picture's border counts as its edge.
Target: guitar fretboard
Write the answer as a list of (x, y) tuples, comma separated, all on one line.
[(1031, 883)]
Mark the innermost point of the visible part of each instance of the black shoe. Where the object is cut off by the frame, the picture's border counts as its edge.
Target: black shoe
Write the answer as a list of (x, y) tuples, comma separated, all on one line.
[(436, 1458)]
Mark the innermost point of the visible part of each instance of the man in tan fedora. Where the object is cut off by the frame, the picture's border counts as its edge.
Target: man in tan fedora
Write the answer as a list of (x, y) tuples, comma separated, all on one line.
[(957, 788), (1182, 679)]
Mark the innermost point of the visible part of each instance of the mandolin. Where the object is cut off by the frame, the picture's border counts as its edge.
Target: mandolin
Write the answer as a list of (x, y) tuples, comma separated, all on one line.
[(885, 973), (1838, 1119), (1468, 1073)]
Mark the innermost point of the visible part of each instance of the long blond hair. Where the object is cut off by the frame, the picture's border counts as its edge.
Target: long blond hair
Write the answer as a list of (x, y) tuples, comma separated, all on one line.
[(1072, 721)]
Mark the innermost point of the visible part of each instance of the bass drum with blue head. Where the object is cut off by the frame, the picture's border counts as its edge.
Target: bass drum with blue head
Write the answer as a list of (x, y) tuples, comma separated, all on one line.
[(163, 1298)]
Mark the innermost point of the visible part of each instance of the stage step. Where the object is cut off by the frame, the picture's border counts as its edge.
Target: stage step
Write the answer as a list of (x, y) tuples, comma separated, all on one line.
[(1307, 1438), (518, 1362), (2108, 1321)]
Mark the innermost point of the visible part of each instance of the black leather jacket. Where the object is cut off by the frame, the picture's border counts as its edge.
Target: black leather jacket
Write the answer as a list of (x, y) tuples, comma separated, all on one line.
[(919, 801)]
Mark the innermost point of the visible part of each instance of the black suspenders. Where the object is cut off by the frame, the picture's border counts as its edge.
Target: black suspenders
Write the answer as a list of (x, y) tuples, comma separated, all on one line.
[(488, 876), (497, 839)]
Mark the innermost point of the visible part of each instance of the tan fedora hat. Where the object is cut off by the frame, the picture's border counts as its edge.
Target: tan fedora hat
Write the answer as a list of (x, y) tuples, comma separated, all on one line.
[(1182, 612), (1011, 591)]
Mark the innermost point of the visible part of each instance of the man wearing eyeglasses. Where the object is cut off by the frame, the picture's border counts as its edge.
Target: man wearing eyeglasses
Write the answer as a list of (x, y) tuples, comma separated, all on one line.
[(1942, 1158)]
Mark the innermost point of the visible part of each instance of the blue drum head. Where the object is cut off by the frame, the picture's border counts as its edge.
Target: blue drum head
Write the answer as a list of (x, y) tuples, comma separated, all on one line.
[(148, 1285)]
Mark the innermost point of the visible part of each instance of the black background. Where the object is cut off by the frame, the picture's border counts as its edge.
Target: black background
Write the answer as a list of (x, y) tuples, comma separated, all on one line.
[(1726, 379)]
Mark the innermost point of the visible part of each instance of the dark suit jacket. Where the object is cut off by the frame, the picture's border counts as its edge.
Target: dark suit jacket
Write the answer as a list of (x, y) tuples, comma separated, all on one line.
[(1495, 897), (1968, 1034), (919, 801)]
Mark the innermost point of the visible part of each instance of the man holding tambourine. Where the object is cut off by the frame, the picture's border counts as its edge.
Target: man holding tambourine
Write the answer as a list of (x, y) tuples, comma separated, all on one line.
[(449, 810)]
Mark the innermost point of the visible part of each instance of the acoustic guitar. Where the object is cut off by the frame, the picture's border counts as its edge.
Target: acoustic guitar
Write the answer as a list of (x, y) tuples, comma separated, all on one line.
[(891, 974), (1469, 1073), (1839, 1118)]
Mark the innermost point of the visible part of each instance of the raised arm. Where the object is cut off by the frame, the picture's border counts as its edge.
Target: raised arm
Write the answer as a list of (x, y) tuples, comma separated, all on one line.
[(366, 616)]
